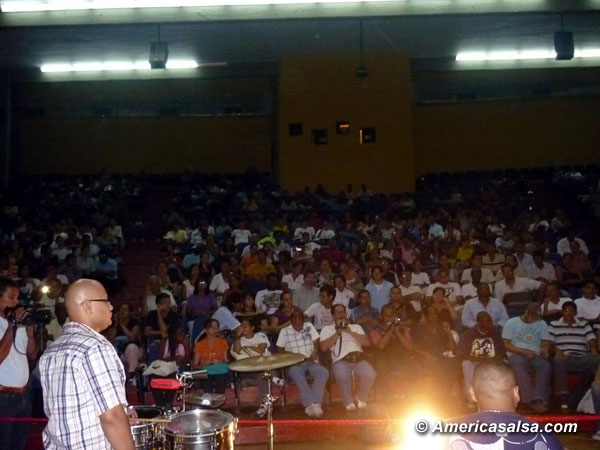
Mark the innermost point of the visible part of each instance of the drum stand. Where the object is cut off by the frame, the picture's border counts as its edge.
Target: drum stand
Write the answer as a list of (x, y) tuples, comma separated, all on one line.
[(268, 401)]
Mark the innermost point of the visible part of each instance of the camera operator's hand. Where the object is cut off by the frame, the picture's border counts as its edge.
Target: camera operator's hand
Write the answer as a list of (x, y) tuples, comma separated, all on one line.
[(21, 314)]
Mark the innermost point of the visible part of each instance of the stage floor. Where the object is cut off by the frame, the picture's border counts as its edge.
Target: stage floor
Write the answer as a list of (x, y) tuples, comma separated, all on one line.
[(581, 441)]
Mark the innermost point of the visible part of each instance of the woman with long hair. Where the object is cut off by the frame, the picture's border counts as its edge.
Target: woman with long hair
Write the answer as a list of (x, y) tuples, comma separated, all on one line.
[(210, 353)]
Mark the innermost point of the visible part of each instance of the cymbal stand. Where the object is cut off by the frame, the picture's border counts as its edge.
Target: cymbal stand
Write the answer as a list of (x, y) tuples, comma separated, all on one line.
[(268, 401)]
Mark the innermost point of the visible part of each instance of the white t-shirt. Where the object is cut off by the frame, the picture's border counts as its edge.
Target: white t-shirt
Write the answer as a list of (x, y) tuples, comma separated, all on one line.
[(451, 290), (240, 236), (547, 271), (470, 291), (520, 285), (267, 301), (257, 339), (14, 370), (486, 275), (349, 344), (151, 301), (299, 231), (291, 283), (419, 279), (588, 309), (343, 298), (218, 284), (412, 289), (557, 307), (320, 315)]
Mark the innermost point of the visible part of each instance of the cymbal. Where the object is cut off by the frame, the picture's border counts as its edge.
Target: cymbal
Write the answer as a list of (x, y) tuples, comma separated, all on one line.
[(260, 363), (201, 399)]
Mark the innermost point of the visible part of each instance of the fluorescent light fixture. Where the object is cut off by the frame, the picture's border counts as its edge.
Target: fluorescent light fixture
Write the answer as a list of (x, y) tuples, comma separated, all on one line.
[(10, 6), (120, 66), (522, 55)]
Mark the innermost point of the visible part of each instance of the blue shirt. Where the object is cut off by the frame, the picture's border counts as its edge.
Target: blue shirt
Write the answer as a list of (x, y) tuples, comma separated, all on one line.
[(380, 293), (526, 335), (109, 266), (189, 259), (494, 308), (497, 440)]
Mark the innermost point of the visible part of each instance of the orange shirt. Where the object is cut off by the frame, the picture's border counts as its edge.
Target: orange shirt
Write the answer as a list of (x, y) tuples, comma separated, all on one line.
[(215, 351)]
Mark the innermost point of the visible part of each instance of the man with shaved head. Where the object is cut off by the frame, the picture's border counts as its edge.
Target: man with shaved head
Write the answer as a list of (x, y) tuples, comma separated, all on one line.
[(496, 393), (83, 378)]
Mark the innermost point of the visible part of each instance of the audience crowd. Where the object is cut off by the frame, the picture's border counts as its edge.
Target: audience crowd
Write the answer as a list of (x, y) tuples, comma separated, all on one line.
[(390, 292)]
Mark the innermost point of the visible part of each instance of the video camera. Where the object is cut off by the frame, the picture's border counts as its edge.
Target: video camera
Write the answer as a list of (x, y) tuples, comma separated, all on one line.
[(342, 324), (37, 315)]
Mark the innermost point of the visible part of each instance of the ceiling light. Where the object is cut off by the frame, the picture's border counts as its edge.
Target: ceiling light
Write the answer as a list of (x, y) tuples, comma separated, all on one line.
[(114, 66), (9, 6), (522, 55)]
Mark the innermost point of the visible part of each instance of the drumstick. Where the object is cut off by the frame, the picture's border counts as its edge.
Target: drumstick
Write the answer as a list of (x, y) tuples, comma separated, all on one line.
[(138, 419)]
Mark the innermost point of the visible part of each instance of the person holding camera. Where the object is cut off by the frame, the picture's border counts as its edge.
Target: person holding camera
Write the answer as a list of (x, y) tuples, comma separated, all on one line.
[(345, 342), (17, 343), (393, 348)]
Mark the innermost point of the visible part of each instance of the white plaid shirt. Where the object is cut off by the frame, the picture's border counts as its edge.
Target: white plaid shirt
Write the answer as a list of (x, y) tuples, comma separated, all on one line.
[(82, 377), (298, 341)]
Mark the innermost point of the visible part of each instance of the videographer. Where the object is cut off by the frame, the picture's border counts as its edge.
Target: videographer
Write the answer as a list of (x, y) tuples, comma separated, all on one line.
[(345, 341), (17, 343)]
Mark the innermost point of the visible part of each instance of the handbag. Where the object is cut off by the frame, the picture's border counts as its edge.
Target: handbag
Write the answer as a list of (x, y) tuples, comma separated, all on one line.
[(354, 357), (161, 368), (217, 369)]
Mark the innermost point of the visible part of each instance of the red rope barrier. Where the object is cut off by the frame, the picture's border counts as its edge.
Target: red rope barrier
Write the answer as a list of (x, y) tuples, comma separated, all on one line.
[(351, 422)]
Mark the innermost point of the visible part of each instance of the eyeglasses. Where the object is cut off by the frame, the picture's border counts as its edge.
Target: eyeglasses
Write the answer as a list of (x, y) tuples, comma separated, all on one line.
[(104, 300)]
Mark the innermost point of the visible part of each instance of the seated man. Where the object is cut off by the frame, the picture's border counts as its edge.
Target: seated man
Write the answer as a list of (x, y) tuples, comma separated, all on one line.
[(320, 313), (302, 338), (364, 314), (159, 320), (451, 290), (476, 263), (483, 302), (267, 300), (575, 350), (345, 341), (528, 343), (540, 270), (393, 348), (511, 284), (481, 343), (261, 268), (588, 306)]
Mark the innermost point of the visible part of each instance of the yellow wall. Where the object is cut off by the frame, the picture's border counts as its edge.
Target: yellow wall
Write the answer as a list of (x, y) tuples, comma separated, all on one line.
[(318, 91), (506, 134), (156, 145)]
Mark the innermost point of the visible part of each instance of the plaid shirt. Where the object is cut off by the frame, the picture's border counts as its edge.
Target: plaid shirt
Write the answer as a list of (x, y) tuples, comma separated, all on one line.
[(298, 341), (82, 377)]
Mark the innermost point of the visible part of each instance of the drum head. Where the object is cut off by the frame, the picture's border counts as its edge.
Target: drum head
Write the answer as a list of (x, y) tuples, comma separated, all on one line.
[(198, 422)]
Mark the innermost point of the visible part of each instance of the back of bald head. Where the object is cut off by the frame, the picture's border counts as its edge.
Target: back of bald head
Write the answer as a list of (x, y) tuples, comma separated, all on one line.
[(81, 290), (493, 380)]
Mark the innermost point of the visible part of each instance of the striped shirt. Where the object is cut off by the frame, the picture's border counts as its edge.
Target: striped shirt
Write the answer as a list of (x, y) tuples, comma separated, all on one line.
[(572, 340), (82, 378)]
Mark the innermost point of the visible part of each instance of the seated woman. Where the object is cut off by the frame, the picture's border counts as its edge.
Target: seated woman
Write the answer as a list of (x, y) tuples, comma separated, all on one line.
[(174, 348), (249, 308), (283, 315), (442, 305), (210, 353), (201, 303), (246, 345)]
